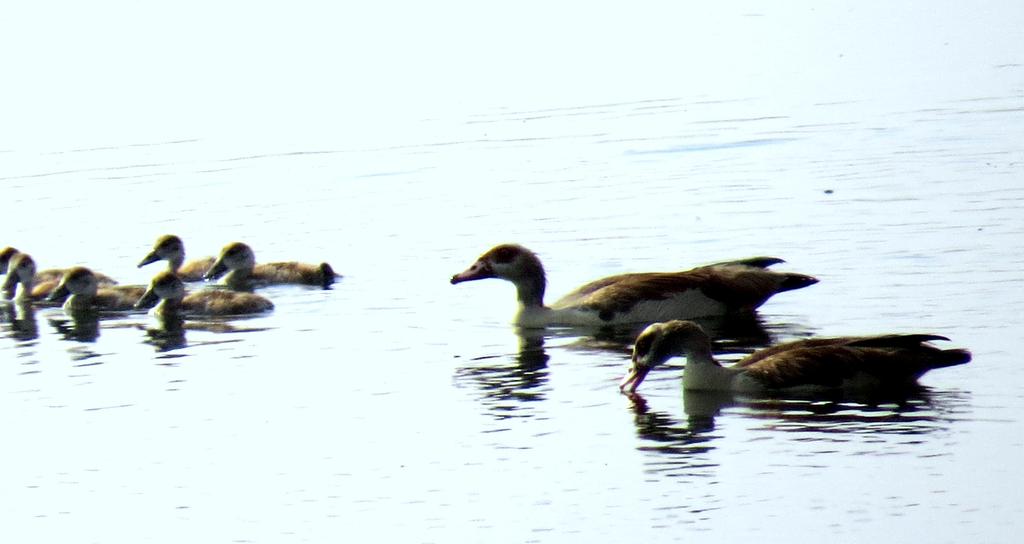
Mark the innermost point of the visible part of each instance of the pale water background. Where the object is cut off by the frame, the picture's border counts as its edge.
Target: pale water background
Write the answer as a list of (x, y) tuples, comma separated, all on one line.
[(875, 145)]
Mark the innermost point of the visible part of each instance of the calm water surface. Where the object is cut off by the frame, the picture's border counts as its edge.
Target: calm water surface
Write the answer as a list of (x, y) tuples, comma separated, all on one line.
[(398, 407)]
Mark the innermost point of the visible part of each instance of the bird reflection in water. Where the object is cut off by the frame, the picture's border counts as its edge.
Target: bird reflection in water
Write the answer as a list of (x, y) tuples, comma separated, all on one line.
[(680, 449), (167, 332), (510, 382), (20, 318), (78, 325), (912, 411), (681, 446)]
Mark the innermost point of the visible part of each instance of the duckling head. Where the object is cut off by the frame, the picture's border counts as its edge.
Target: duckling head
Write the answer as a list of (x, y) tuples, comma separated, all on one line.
[(21, 268), (234, 256), (77, 280), (169, 248), (164, 286)]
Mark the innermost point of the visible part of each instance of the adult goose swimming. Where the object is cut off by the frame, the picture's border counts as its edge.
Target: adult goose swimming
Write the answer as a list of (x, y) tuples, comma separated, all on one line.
[(174, 301), (170, 248), (857, 363), (82, 289), (238, 261), (711, 290)]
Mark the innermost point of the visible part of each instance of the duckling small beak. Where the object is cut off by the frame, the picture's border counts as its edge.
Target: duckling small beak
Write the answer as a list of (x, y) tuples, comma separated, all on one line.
[(634, 377), (147, 300), (479, 271), (148, 259), (217, 270), (58, 294)]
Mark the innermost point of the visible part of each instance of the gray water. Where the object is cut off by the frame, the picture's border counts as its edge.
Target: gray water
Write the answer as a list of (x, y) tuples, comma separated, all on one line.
[(876, 147)]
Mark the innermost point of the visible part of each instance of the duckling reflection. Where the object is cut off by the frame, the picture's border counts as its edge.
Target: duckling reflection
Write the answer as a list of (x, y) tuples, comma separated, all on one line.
[(82, 326), (21, 317), (510, 383), (169, 331), (85, 294), (170, 248), (169, 334), (174, 301), (238, 261)]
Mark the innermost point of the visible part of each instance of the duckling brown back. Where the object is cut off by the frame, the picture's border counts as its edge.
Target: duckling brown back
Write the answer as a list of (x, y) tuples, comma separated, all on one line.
[(224, 302), (293, 272)]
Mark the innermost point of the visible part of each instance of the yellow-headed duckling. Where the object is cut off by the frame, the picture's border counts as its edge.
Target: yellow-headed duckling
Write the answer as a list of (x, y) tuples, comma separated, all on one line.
[(170, 291), (171, 249), (85, 293), (712, 290), (238, 261), (891, 362), (21, 269)]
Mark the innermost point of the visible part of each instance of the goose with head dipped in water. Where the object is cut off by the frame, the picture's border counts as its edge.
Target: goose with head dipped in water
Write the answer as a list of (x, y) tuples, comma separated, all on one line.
[(170, 248), (83, 292), (238, 261), (713, 290), (175, 301), (857, 363)]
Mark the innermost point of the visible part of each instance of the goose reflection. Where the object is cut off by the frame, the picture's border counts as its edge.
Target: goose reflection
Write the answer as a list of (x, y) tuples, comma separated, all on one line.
[(509, 383), (910, 412), (678, 448)]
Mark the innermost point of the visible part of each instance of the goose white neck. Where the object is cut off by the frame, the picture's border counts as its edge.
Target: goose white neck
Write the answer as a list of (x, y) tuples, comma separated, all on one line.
[(704, 373)]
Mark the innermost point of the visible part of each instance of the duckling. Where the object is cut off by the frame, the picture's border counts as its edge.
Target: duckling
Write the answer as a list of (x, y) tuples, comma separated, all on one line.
[(717, 289), (170, 248), (818, 365), (51, 274), (239, 262), (85, 293), (170, 290), (22, 269)]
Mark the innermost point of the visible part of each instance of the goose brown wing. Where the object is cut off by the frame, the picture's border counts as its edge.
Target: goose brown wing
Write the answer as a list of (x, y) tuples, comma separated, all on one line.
[(620, 293), (825, 365)]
